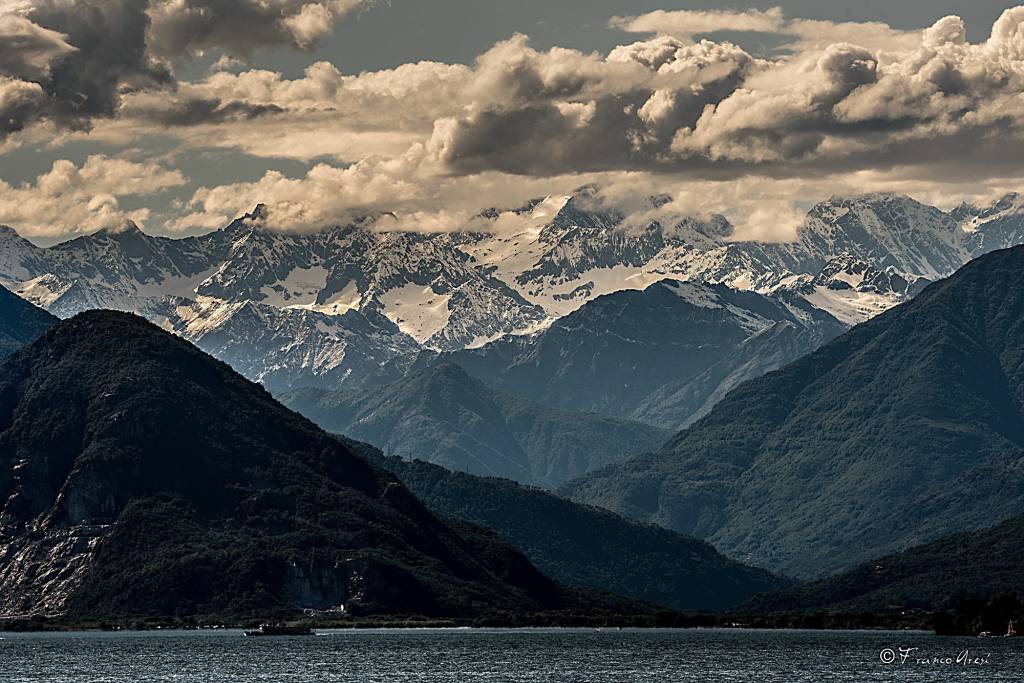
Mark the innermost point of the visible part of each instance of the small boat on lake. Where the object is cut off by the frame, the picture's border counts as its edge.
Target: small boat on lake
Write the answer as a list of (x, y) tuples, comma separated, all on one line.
[(281, 630), (1011, 630)]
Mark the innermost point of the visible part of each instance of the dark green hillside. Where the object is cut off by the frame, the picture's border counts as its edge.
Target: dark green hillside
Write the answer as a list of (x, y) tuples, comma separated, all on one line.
[(449, 418), (937, 576), (582, 545), (141, 477), (20, 322), (905, 429)]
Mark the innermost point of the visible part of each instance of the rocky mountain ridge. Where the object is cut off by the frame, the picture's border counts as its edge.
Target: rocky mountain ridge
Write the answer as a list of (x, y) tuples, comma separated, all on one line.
[(509, 272)]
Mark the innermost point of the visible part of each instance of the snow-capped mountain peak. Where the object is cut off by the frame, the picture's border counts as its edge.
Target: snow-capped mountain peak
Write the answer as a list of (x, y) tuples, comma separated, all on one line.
[(516, 273), (852, 290), (1008, 207), (885, 230)]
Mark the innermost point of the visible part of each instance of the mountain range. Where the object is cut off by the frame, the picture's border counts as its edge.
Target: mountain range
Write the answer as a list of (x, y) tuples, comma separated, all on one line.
[(252, 511), (164, 484), (507, 272), (533, 408), (904, 429), (660, 355), (445, 416), (917, 409), (562, 302)]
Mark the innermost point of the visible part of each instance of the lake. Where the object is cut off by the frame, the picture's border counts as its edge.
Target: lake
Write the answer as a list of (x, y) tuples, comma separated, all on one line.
[(483, 655)]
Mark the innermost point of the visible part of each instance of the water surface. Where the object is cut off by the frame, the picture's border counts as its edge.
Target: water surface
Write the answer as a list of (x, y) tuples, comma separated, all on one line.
[(449, 655)]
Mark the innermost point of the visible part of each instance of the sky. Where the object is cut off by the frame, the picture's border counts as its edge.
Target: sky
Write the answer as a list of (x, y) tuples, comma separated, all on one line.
[(179, 115)]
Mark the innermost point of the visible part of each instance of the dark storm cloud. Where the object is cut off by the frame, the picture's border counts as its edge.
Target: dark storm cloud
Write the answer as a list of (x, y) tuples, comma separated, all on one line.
[(241, 26), (540, 139), (20, 104), (69, 61), (110, 55)]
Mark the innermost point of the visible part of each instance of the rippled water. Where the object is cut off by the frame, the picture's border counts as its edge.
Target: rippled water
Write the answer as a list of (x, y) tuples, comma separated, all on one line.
[(505, 655)]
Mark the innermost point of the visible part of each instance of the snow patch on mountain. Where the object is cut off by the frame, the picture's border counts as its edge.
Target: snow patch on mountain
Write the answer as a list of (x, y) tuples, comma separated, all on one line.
[(418, 311), (851, 290), (850, 307), (44, 291), (346, 299), (300, 288), (285, 348)]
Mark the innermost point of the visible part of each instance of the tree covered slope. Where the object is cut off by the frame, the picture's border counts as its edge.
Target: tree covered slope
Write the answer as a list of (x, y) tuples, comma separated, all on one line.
[(935, 576), (907, 428), (140, 477), (583, 545)]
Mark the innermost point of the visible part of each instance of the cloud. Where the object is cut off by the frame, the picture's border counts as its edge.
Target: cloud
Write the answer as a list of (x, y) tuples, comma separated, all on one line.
[(185, 27), (707, 122), (689, 23), (110, 55), (710, 108), (852, 105), (786, 118), (666, 104), (511, 85), (848, 107), (309, 25), (69, 199), (326, 194), (324, 113), (20, 103), (808, 34), (80, 54), (164, 110), (412, 95), (407, 192), (86, 55), (802, 34), (27, 50), (561, 110)]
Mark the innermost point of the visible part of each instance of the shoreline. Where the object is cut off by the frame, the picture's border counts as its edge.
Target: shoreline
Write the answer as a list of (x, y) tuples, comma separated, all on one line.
[(145, 626), (239, 631)]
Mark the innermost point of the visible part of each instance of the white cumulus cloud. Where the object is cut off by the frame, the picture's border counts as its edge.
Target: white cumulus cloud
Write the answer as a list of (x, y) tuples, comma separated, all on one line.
[(71, 199)]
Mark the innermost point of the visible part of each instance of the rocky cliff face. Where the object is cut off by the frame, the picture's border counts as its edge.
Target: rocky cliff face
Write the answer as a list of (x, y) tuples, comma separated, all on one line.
[(40, 574)]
